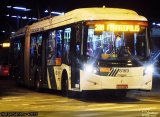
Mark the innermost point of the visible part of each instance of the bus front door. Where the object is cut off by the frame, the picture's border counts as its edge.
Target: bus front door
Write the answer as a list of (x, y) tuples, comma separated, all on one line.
[(76, 58)]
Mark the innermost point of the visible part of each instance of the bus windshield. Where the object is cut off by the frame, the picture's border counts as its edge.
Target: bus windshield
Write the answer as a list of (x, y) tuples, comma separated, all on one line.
[(117, 41)]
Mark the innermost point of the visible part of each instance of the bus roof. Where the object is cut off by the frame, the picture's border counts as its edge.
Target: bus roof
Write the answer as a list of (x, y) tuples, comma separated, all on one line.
[(84, 14)]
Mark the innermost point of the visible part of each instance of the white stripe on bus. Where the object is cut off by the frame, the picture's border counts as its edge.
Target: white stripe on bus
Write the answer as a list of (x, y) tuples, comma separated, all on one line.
[(48, 79)]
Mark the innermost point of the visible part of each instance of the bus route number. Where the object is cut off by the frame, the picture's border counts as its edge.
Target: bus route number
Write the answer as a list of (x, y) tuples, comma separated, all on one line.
[(99, 27)]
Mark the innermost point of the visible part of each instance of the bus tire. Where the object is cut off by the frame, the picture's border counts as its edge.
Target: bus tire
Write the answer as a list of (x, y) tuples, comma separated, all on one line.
[(64, 84), (37, 82)]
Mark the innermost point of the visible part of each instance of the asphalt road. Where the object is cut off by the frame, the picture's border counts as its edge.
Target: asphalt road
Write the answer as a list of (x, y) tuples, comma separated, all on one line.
[(51, 104)]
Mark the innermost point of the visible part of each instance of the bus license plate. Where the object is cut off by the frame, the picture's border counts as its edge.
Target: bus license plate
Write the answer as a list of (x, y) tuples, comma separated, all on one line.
[(122, 86)]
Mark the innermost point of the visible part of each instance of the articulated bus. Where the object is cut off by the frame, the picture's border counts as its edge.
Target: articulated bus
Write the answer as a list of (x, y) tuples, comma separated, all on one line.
[(86, 49)]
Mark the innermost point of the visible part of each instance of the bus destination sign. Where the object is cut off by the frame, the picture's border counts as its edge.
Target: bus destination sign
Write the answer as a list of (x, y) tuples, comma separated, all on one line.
[(117, 27)]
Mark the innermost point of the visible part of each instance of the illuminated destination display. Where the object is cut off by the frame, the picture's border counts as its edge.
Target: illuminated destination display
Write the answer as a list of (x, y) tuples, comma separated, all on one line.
[(131, 28), (117, 27)]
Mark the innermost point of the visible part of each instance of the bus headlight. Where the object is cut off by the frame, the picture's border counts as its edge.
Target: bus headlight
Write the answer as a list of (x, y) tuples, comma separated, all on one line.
[(90, 69), (149, 69)]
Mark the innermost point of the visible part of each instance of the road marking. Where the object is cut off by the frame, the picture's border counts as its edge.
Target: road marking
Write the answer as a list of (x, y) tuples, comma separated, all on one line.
[(99, 105), (5, 98), (132, 115), (61, 101), (134, 112), (109, 108), (149, 100), (88, 115), (112, 114), (117, 114), (47, 100), (8, 99), (140, 109), (25, 104), (12, 99)]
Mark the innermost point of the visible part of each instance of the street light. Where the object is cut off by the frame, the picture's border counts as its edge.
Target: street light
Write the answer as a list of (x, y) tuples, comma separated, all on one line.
[(5, 45), (21, 8)]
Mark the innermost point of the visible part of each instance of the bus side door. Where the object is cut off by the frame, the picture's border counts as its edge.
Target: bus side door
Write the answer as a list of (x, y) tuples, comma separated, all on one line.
[(76, 55)]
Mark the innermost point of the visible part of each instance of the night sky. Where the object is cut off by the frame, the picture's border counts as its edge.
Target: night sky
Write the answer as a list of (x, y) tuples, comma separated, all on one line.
[(147, 8)]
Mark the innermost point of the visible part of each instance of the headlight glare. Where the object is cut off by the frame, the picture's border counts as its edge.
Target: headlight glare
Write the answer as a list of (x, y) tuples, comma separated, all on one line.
[(149, 69), (90, 69)]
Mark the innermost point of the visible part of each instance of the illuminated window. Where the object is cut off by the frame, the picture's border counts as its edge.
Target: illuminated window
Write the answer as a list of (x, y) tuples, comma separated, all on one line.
[(66, 46)]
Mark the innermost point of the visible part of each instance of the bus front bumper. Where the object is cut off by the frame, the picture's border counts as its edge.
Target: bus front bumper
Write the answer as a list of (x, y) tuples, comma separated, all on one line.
[(89, 81)]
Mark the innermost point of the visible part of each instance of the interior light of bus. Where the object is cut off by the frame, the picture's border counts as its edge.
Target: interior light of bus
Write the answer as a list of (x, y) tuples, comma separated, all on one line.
[(129, 64), (116, 27), (58, 61), (5, 45)]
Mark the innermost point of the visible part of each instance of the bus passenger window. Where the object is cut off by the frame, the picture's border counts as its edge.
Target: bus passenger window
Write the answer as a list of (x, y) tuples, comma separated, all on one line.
[(78, 49), (89, 49), (50, 47), (119, 42), (98, 51), (58, 47), (66, 46)]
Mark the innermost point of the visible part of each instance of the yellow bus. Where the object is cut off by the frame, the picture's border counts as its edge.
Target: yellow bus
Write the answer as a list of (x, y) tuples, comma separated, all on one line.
[(86, 49)]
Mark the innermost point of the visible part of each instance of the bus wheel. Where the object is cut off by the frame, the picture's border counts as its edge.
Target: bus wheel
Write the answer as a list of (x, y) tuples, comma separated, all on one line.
[(64, 87), (64, 84), (37, 82)]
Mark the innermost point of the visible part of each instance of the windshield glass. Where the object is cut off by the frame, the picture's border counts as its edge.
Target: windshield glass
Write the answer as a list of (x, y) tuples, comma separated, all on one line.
[(117, 42)]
